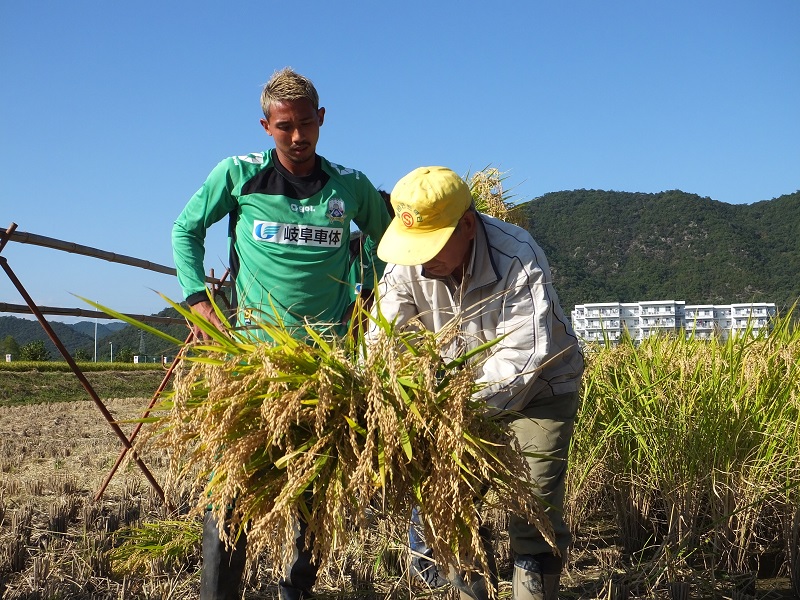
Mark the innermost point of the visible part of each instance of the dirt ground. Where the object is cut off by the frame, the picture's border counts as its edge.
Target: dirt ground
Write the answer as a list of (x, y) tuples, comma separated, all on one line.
[(49, 452)]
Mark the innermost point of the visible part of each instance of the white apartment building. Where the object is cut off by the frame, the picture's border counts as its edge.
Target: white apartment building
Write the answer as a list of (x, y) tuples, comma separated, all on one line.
[(598, 321)]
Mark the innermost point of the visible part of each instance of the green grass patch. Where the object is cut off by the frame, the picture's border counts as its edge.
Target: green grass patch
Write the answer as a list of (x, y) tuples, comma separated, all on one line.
[(61, 366), (35, 385)]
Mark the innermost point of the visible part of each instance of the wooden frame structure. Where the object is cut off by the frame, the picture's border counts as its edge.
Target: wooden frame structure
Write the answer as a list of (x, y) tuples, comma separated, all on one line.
[(11, 234)]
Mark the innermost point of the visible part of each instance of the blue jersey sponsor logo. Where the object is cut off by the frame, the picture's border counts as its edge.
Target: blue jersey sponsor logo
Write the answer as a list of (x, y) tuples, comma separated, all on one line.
[(265, 231)]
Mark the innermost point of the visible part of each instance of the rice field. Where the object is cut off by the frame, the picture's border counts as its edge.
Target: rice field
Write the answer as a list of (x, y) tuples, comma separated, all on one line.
[(56, 541), (694, 448), (684, 480)]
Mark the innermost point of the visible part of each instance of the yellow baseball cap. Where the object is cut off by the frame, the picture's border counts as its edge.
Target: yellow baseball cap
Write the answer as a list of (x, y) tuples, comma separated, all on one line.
[(428, 203)]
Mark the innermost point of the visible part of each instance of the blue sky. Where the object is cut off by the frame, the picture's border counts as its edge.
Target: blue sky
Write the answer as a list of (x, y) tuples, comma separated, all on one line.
[(114, 113)]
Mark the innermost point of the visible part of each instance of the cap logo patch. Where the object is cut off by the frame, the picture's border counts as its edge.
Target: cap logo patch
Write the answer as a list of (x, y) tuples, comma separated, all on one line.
[(408, 214)]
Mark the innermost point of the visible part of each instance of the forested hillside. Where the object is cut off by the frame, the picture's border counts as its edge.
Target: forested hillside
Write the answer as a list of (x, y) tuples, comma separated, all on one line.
[(140, 342), (24, 331), (619, 246)]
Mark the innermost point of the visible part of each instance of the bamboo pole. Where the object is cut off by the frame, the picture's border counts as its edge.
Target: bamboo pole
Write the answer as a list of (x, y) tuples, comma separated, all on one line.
[(82, 312), (24, 237), (79, 374)]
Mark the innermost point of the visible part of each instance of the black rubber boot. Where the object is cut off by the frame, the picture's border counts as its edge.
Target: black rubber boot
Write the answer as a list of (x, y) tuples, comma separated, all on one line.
[(302, 575), (473, 586), (287, 592), (551, 583), (222, 568)]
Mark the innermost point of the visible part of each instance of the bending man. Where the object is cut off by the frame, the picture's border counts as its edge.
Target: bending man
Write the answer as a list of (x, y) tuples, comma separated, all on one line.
[(447, 261)]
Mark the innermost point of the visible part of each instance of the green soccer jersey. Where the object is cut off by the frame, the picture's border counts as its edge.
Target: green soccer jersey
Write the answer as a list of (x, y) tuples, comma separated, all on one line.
[(289, 237)]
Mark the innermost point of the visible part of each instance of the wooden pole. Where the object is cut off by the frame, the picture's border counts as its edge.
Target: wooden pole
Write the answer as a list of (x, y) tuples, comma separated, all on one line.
[(24, 237), (82, 312), (79, 374)]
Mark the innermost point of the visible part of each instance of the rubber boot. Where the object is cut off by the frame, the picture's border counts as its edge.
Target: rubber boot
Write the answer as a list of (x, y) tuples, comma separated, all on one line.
[(287, 592), (551, 583), (470, 588), (526, 583), (422, 567), (302, 573), (475, 587), (222, 567)]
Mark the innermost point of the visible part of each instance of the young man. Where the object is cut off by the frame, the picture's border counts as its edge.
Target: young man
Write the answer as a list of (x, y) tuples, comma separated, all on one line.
[(446, 261), (289, 215)]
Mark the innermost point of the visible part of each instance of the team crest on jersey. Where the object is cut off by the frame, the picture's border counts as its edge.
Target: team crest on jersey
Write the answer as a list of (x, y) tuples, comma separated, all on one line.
[(336, 211)]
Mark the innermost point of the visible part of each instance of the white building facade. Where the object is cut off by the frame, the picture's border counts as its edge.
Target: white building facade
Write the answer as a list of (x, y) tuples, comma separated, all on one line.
[(599, 321)]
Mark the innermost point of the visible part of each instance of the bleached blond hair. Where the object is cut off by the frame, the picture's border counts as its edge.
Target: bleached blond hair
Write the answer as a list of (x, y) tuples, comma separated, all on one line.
[(285, 85)]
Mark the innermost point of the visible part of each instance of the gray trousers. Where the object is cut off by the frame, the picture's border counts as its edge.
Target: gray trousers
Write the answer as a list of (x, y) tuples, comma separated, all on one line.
[(223, 568), (545, 427)]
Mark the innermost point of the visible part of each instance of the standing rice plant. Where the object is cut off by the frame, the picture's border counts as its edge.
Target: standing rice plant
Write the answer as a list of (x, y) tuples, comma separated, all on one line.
[(324, 429), (698, 441), (591, 457)]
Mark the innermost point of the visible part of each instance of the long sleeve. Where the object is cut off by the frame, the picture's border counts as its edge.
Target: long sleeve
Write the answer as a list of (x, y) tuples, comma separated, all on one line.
[(211, 203), (373, 219)]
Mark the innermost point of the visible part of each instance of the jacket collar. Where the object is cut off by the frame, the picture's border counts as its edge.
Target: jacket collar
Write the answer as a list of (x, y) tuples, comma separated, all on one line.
[(484, 268)]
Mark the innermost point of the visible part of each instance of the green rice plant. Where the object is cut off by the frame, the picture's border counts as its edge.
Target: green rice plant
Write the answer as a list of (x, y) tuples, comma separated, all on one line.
[(698, 441), (328, 428), (172, 543)]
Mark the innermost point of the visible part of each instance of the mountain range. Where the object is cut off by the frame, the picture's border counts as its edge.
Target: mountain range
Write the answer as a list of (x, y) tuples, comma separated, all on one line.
[(602, 246)]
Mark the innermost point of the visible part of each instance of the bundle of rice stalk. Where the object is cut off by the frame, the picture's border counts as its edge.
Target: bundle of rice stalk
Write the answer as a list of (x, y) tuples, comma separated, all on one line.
[(491, 198), (331, 429)]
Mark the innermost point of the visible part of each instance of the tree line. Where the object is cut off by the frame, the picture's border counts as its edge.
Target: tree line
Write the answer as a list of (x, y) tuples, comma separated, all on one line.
[(25, 339)]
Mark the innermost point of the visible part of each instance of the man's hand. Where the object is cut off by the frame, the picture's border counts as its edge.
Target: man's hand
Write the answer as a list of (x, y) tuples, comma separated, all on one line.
[(205, 310)]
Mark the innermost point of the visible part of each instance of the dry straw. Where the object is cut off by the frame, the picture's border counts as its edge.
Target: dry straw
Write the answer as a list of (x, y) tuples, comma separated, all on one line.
[(335, 430), (491, 198)]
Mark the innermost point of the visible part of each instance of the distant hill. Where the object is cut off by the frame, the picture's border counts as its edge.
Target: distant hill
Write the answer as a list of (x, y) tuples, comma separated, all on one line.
[(25, 331), (140, 342), (103, 329), (117, 336), (620, 246)]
